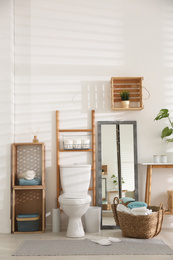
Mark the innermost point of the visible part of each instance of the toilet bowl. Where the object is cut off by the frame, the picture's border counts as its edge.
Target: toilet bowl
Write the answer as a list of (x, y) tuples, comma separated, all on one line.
[(75, 200), (75, 206)]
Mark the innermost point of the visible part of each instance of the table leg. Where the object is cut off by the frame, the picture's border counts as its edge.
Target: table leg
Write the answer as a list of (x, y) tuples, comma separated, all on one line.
[(149, 184), (146, 187), (109, 197)]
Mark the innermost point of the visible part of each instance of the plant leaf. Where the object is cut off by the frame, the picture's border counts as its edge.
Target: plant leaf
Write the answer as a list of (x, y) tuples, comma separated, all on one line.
[(162, 114), (113, 176), (166, 132), (169, 140)]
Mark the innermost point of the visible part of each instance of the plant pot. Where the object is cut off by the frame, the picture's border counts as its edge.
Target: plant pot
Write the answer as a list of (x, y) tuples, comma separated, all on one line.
[(125, 103)]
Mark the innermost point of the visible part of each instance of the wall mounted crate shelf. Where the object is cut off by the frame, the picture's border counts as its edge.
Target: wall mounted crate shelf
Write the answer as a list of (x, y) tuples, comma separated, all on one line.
[(131, 84)]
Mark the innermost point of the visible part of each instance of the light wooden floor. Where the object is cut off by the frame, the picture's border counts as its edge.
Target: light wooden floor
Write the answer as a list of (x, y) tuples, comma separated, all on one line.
[(10, 242)]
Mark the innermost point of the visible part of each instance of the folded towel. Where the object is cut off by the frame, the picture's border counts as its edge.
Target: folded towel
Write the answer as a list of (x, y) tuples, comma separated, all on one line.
[(136, 204), (126, 199), (23, 182), (141, 211), (135, 211), (123, 208)]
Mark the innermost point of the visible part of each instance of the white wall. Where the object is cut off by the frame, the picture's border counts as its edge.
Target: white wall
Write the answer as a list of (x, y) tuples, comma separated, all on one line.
[(65, 54), (6, 110)]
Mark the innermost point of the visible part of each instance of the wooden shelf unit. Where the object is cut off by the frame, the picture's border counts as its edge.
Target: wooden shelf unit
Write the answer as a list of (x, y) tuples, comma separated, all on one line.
[(131, 84), (92, 150), (28, 199)]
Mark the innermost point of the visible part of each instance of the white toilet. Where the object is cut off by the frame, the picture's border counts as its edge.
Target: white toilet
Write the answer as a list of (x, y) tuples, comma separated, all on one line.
[(75, 201)]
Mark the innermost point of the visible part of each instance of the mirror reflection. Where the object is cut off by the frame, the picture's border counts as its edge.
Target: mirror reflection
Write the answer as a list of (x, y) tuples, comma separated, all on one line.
[(117, 165)]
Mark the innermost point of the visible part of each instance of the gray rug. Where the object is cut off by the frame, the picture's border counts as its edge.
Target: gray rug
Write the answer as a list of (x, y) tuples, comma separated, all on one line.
[(86, 247)]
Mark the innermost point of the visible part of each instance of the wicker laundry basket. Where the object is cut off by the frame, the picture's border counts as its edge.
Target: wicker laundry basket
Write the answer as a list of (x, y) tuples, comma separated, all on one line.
[(116, 201), (140, 226)]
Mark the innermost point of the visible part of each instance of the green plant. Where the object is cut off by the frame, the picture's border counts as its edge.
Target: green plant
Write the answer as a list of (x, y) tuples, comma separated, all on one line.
[(124, 95), (164, 113), (115, 181)]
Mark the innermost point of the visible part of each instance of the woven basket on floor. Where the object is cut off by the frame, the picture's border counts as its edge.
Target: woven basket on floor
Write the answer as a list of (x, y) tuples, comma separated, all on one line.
[(141, 226), (116, 201)]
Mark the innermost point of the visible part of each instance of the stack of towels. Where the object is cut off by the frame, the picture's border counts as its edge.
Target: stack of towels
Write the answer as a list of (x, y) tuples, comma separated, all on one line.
[(135, 208), (28, 178)]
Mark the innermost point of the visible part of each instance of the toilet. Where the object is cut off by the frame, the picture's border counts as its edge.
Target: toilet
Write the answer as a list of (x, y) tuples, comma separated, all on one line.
[(75, 201)]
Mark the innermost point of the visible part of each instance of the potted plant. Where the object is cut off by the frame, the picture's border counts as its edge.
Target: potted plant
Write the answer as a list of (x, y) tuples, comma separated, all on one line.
[(125, 99), (115, 179), (167, 131)]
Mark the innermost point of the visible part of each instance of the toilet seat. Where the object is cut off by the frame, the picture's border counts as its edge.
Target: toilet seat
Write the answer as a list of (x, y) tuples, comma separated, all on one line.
[(74, 198)]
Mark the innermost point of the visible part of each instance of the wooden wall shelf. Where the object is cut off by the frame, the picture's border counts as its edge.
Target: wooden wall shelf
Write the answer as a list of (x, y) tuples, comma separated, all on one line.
[(131, 84)]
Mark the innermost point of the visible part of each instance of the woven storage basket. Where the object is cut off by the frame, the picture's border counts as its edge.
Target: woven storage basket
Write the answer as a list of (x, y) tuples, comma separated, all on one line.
[(141, 226), (106, 206), (116, 201)]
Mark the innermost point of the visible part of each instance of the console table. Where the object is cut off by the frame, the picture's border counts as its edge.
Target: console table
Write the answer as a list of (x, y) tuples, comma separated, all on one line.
[(150, 166)]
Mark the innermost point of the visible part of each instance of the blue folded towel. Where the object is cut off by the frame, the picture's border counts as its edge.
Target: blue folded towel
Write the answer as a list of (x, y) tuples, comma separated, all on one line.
[(127, 199), (136, 204), (24, 182)]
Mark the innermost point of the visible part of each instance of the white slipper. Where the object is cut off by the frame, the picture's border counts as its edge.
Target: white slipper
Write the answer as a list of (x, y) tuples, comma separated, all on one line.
[(102, 242), (114, 239)]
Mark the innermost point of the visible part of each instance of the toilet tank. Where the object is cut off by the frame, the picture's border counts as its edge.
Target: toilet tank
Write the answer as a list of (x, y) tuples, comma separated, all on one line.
[(75, 178)]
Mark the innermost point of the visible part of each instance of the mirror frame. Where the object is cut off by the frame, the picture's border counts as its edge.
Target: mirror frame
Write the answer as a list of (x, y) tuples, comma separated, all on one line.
[(99, 194)]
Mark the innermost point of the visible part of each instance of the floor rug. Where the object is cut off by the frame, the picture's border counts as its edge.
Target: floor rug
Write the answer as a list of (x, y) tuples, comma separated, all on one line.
[(86, 247)]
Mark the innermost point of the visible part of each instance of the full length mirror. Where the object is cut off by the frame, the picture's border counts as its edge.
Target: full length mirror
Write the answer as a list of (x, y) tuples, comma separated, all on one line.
[(117, 165)]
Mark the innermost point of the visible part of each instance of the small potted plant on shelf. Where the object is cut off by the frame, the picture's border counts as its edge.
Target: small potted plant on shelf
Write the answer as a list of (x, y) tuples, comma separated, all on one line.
[(125, 99)]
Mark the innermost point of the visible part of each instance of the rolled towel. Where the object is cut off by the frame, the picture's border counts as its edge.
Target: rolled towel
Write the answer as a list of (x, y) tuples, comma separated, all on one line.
[(30, 175), (136, 204)]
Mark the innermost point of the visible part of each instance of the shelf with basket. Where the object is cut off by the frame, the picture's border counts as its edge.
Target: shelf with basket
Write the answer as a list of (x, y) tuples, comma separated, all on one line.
[(88, 146), (28, 194)]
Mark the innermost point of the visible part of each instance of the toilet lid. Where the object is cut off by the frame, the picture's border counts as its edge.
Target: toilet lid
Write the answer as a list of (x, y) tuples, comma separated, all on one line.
[(74, 198)]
